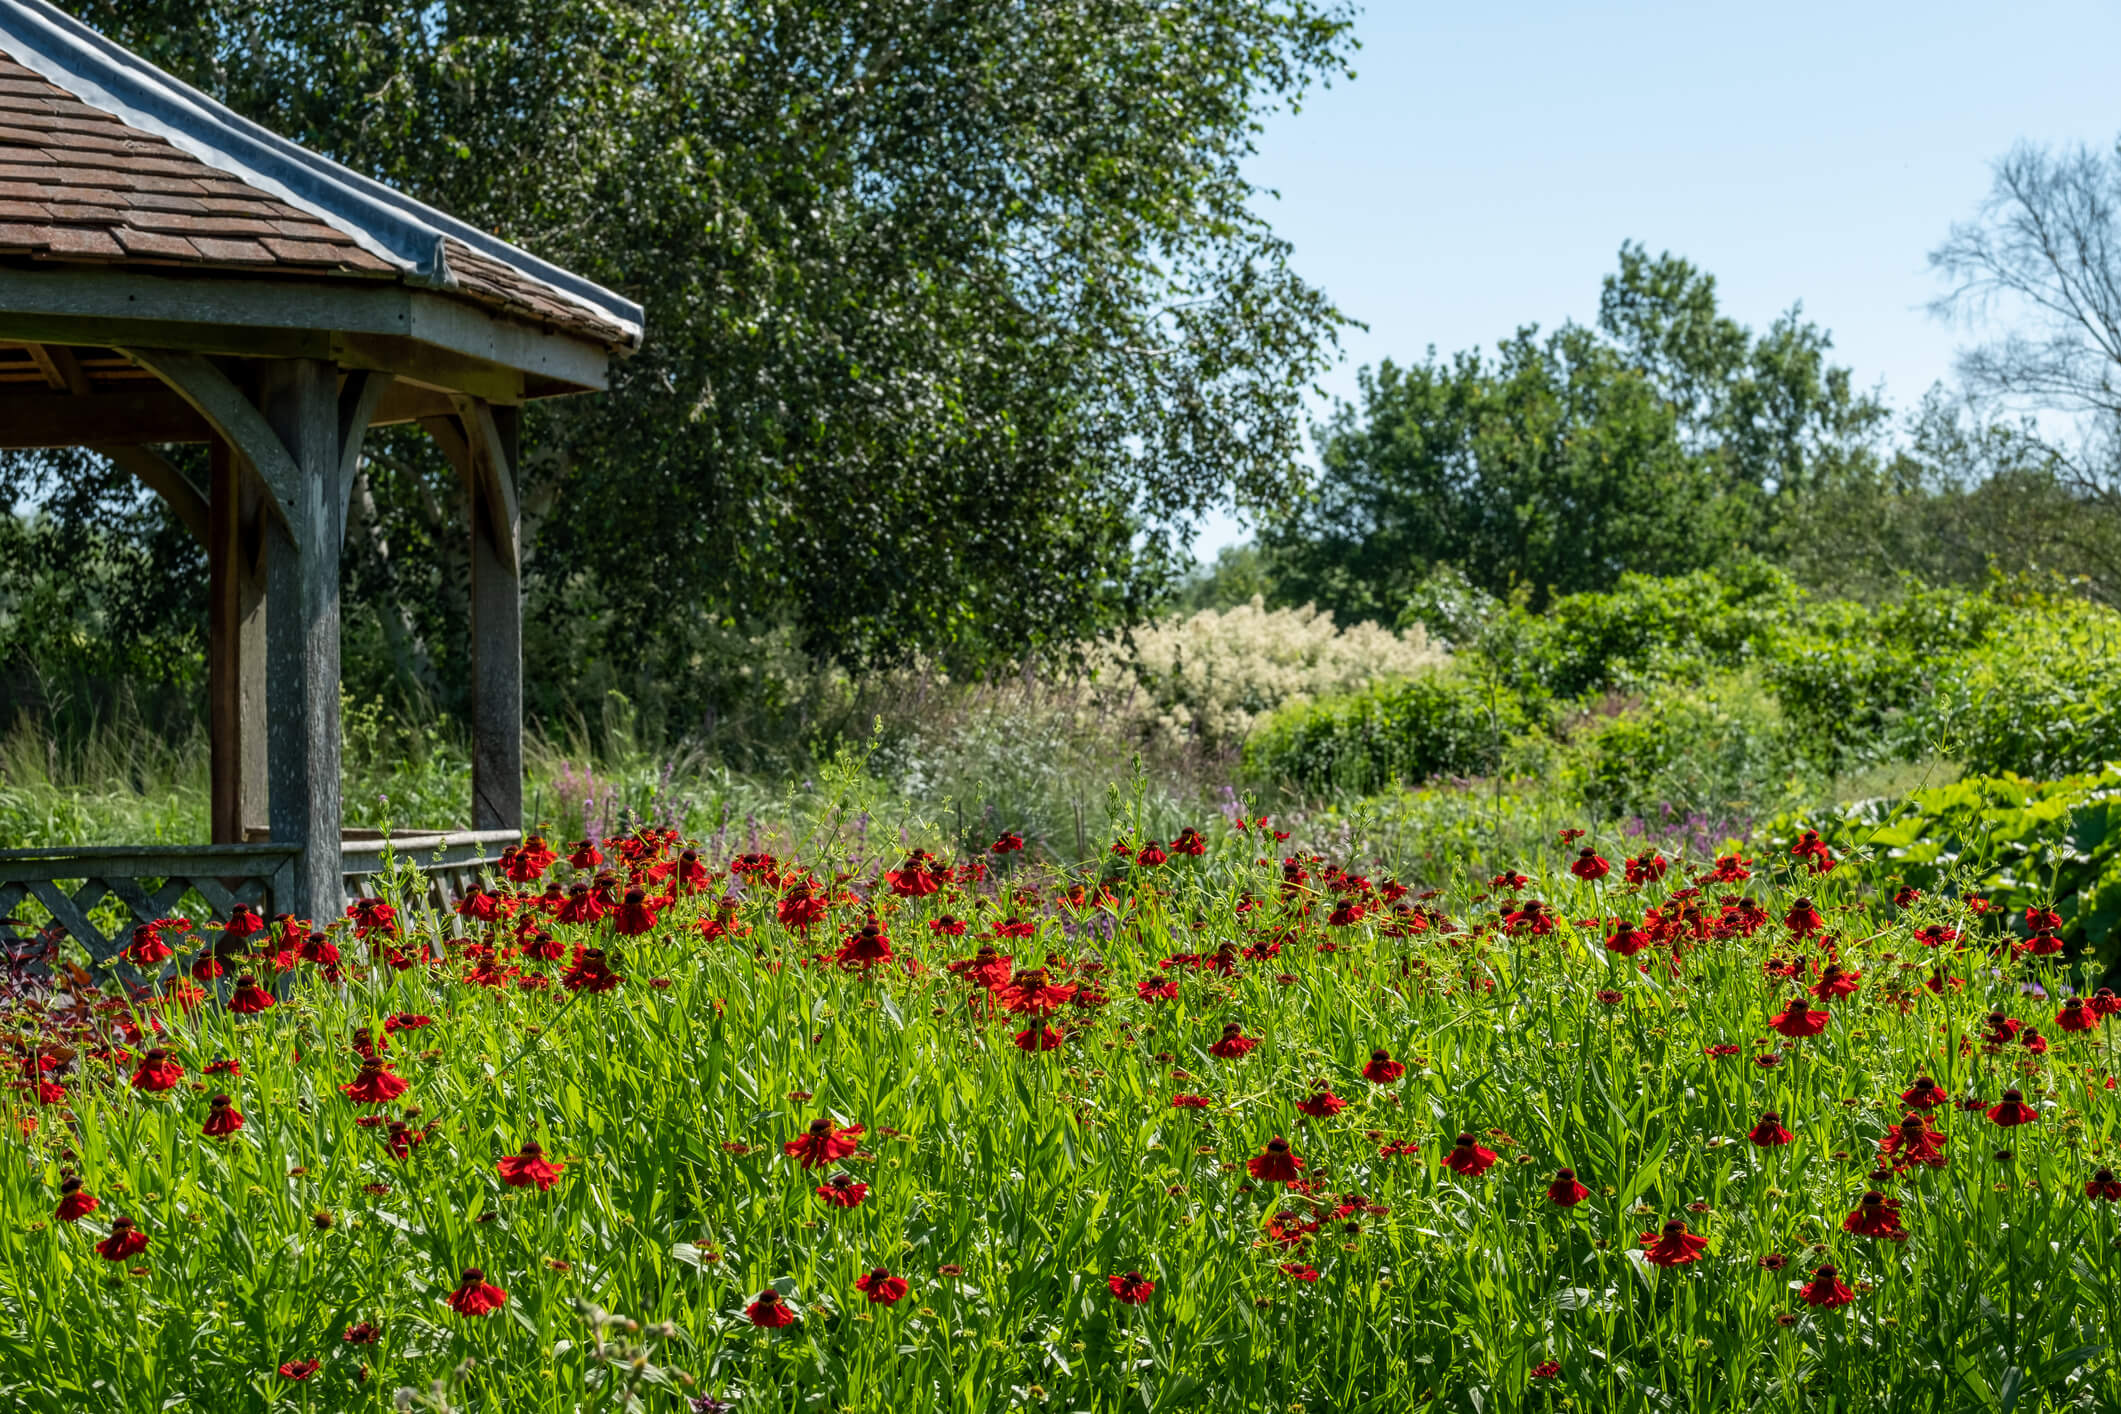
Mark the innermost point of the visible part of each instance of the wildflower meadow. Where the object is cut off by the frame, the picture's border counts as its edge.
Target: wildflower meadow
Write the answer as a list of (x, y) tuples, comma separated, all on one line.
[(1199, 1124)]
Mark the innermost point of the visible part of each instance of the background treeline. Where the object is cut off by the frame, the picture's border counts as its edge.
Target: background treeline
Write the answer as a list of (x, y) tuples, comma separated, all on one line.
[(961, 314), (955, 311)]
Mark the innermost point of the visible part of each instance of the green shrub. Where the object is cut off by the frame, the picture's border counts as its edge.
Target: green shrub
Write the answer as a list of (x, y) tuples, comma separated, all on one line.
[(1720, 752), (1648, 630), (1442, 724), (2037, 699), (2015, 842)]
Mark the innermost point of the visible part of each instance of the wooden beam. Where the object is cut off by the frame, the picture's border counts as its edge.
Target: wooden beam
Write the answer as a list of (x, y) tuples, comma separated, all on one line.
[(411, 402), (217, 398), (482, 442), (359, 397), (493, 470), (424, 363), (496, 620), (148, 415), (227, 312), (298, 401), (235, 653), (154, 471), (60, 368)]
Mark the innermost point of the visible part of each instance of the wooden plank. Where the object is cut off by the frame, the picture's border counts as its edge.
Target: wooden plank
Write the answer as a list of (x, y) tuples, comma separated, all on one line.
[(220, 900), (74, 919), (299, 398), (226, 313), (53, 377), (411, 402), (235, 648), (135, 899), (130, 418), (424, 364), (61, 369), (496, 618)]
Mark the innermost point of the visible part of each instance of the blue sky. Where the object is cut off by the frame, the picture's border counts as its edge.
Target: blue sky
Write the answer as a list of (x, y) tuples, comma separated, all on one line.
[(1487, 161)]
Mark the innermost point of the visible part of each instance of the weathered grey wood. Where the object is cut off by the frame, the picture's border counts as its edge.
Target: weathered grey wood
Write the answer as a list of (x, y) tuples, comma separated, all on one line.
[(221, 900), (482, 440), (299, 399), (203, 384), (154, 471), (128, 860), (235, 649), (359, 397), (224, 312), (73, 916), (491, 456), (30, 420)]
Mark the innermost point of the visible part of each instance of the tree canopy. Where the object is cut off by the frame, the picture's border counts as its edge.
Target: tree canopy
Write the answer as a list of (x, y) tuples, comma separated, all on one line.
[(958, 312), (1663, 439)]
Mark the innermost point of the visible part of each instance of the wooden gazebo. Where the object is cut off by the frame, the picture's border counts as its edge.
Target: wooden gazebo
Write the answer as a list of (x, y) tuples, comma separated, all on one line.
[(173, 273)]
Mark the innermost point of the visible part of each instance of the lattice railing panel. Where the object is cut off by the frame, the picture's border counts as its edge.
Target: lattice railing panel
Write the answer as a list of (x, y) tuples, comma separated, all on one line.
[(123, 886)]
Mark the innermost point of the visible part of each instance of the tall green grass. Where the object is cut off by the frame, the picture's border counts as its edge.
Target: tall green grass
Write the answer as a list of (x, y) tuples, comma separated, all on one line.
[(1008, 1186)]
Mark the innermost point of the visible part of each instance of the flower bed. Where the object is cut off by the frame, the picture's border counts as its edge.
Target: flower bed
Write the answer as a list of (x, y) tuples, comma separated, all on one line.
[(1203, 1127)]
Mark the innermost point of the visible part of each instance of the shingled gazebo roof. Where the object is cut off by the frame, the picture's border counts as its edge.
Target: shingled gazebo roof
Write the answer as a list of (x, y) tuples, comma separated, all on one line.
[(106, 159)]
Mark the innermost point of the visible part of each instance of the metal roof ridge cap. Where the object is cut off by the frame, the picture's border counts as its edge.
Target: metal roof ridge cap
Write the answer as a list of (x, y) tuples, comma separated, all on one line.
[(106, 75)]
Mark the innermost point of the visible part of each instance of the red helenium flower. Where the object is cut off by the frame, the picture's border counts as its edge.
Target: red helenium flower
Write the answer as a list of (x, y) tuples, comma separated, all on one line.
[(1826, 1289), (530, 1168), (823, 1144), (1769, 1132), (377, 1084), (769, 1311), (74, 1204), (1382, 1069), (222, 1118), (2013, 1110), (1276, 1164), (1132, 1288), (476, 1296), (1876, 1216), (841, 1191), (1672, 1246), (1467, 1158), (881, 1287), (1565, 1191), (125, 1240)]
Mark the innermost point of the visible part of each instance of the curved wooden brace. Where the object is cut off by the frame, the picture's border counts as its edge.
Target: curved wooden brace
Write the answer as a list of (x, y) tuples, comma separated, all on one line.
[(154, 471), (199, 382), (359, 396)]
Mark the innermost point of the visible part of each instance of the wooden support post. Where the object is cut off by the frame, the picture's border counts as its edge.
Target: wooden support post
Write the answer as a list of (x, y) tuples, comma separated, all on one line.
[(300, 400), (491, 437), (235, 654)]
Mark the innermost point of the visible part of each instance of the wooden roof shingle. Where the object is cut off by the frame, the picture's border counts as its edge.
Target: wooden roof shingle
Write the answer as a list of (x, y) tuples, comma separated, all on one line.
[(105, 158)]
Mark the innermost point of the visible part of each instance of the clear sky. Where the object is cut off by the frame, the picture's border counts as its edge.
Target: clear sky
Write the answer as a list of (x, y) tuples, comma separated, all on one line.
[(1488, 160)]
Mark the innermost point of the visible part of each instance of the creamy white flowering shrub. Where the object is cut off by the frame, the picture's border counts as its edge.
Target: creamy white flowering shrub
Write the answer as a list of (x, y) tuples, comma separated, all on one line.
[(1207, 677)]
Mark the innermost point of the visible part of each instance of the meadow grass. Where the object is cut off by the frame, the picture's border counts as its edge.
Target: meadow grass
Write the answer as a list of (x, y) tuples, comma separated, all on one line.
[(1010, 1187)]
